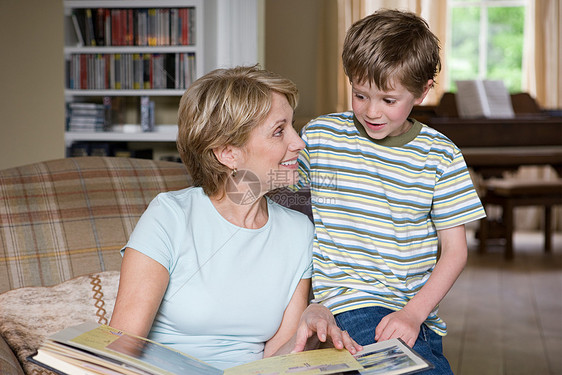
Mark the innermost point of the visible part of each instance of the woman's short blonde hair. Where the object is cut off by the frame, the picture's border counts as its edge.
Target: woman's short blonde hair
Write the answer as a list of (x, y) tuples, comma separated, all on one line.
[(222, 108)]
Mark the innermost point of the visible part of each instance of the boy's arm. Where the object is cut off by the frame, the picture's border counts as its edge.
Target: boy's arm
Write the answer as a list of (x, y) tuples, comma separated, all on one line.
[(406, 323)]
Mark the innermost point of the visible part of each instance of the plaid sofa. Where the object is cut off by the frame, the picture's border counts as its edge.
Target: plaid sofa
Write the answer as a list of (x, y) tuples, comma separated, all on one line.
[(66, 218), (62, 223)]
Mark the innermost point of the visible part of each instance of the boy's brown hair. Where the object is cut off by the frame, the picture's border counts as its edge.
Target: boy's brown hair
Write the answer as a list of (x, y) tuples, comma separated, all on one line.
[(391, 46)]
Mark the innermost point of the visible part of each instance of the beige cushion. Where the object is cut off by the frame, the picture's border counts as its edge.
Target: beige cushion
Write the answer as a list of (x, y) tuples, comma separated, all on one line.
[(8, 362), (29, 315)]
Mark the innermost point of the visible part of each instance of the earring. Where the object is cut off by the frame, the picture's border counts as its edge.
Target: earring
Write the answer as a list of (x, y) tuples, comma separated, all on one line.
[(234, 171)]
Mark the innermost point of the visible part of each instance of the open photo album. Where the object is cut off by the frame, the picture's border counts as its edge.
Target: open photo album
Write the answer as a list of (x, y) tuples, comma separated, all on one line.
[(94, 349)]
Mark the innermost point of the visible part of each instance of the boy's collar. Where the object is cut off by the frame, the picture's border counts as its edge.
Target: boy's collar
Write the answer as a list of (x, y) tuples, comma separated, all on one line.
[(399, 140)]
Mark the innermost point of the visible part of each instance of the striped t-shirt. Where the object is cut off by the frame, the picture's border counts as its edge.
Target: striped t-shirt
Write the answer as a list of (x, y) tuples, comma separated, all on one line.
[(377, 206)]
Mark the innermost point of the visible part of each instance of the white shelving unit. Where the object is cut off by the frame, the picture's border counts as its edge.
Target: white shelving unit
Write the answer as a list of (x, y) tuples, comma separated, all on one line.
[(165, 136), (95, 95)]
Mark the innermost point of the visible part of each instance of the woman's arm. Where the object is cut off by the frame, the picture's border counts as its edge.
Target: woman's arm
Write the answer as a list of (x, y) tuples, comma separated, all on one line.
[(142, 284), (291, 318), (306, 327)]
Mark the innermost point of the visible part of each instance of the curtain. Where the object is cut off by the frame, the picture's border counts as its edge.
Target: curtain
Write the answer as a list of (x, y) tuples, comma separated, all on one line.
[(542, 62), (349, 11), (542, 79), (435, 13)]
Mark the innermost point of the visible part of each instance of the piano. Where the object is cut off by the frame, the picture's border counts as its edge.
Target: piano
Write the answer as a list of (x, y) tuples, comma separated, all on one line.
[(492, 146)]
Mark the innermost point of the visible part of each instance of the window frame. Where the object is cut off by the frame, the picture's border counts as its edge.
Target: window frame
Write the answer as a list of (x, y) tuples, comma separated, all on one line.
[(483, 28)]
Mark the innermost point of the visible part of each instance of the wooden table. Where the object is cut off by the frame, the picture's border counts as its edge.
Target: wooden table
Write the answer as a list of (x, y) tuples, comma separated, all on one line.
[(509, 194)]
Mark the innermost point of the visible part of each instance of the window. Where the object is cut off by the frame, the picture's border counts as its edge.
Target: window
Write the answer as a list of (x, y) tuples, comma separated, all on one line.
[(486, 41)]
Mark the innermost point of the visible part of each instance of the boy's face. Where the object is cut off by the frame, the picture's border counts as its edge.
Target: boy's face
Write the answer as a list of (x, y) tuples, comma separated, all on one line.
[(384, 113)]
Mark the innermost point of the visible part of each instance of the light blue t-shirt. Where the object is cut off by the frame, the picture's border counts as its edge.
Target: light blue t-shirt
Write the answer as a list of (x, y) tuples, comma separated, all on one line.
[(229, 286)]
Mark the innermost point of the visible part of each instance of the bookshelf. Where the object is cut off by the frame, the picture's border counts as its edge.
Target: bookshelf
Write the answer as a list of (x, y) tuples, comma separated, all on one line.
[(127, 63)]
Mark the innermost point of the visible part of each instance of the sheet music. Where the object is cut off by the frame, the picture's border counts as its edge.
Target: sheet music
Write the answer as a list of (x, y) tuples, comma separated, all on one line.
[(471, 99), (483, 98), (499, 100)]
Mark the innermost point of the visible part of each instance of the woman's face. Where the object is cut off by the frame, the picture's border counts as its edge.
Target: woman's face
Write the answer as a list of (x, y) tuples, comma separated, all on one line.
[(273, 147)]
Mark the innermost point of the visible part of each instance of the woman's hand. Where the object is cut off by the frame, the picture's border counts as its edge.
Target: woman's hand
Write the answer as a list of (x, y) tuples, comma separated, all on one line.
[(317, 325)]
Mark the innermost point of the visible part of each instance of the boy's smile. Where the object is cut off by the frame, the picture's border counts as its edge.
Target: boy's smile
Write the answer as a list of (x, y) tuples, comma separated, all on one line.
[(374, 127), (384, 113)]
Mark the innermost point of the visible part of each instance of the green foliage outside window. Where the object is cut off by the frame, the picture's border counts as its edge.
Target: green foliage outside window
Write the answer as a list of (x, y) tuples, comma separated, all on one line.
[(504, 45)]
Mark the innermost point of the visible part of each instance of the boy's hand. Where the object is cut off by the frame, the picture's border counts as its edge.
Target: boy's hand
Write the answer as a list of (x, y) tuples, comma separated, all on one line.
[(318, 321), (399, 324)]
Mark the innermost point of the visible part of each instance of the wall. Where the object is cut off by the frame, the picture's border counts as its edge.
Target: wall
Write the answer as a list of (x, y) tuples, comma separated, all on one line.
[(292, 42), (32, 82), (233, 30)]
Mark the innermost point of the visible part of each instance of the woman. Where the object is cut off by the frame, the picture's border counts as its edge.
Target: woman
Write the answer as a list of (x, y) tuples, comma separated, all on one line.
[(218, 270)]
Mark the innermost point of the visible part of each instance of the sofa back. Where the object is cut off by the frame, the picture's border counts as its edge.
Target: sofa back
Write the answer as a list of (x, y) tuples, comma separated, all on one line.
[(69, 217)]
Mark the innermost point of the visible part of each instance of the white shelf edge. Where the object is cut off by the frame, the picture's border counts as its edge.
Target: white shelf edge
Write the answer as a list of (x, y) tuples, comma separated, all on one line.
[(153, 92), (129, 49), (70, 137), (130, 3)]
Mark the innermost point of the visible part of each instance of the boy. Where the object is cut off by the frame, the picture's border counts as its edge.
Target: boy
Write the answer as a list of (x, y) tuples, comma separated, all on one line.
[(384, 188)]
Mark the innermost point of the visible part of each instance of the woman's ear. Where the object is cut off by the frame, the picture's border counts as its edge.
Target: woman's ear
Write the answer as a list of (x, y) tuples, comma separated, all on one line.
[(227, 155), (426, 89)]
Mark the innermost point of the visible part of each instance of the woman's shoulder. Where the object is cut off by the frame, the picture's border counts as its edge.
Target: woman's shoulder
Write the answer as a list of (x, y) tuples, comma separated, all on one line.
[(189, 193), (179, 199), (289, 216)]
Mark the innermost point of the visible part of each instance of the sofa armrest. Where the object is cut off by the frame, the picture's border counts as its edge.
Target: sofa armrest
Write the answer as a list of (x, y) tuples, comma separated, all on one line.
[(8, 361)]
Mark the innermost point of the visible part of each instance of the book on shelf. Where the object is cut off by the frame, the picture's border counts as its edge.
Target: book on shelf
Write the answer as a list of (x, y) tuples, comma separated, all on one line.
[(100, 149), (78, 29), (131, 71), (107, 113), (98, 26), (118, 111), (146, 153), (90, 34), (116, 149), (483, 99), (91, 348), (146, 114), (79, 149), (135, 27), (85, 117)]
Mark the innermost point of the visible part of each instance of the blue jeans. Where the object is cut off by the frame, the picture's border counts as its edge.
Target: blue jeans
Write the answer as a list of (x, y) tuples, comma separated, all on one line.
[(361, 324)]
